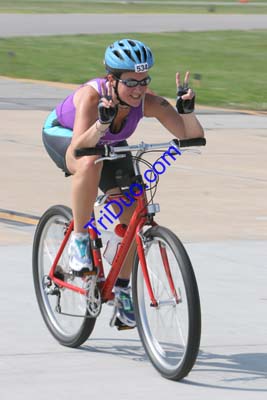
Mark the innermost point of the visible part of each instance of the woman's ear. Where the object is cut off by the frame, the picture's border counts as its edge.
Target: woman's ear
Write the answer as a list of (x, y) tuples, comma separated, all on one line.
[(110, 78)]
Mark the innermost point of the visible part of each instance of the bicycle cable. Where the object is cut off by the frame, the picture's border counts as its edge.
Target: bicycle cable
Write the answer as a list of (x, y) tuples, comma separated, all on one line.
[(150, 166)]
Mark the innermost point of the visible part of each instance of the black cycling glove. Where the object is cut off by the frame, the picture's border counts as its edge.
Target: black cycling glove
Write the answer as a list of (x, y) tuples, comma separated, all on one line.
[(106, 115), (184, 106)]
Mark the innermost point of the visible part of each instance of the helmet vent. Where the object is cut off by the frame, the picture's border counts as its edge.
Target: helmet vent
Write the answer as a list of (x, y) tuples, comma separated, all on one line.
[(128, 52), (138, 53), (118, 54), (131, 42)]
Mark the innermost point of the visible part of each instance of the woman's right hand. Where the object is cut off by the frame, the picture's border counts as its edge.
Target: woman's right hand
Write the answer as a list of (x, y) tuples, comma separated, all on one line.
[(107, 110)]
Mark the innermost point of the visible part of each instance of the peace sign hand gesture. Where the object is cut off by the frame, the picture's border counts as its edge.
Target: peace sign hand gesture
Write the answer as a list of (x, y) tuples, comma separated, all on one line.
[(107, 110), (185, 103)]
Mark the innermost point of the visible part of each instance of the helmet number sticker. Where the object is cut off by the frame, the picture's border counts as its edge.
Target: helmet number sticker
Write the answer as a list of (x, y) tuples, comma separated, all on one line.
[(141, 67)]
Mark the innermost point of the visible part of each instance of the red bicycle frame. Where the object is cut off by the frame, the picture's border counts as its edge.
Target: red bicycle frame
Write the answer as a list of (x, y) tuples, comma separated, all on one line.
[(137, 222)]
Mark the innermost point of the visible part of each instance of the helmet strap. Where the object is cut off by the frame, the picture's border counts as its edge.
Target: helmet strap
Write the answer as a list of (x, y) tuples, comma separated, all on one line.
[(121, 102)]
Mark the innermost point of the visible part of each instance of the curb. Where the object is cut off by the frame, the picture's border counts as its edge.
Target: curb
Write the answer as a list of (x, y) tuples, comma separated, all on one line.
[(74, 86)]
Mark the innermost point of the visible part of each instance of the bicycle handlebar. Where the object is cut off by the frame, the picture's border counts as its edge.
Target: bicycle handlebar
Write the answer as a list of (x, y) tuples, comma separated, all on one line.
[(106, 150), (200, 141)]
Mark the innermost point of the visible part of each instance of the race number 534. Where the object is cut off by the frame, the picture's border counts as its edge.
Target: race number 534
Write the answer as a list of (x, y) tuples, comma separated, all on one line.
[(141, 67)]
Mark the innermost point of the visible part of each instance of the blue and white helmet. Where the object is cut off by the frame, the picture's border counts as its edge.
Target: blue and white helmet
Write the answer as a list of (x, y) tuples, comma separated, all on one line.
[(128, 55)]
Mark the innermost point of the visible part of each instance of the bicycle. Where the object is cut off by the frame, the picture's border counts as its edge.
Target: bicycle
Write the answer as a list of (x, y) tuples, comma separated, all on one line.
[(164, 288)]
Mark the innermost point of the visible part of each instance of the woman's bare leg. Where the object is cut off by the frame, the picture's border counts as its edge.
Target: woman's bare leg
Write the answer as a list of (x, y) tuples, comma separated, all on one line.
[(85, 181)]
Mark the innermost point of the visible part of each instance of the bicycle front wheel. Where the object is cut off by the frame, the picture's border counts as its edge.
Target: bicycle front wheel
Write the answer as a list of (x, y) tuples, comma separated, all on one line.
[(170, 330), (63, 310)]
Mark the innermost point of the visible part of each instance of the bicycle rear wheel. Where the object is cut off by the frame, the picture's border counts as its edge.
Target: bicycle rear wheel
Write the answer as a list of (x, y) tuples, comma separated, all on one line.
[(170, 332), (64, 311)]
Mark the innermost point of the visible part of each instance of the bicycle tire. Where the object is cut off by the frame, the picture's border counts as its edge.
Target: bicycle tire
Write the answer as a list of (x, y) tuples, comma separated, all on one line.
[(172, 359), (57, 215)]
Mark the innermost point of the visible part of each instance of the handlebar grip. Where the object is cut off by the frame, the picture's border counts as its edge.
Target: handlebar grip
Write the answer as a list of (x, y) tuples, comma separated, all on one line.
[(190, 142), (90, 151)]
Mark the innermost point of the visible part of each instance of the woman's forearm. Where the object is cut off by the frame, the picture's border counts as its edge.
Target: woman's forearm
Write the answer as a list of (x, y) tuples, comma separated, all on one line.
[(192, 126), (91, 136)]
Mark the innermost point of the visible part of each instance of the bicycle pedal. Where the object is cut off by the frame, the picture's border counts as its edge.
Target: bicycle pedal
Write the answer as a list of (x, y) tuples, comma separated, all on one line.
[(83, 273), (91, 273)]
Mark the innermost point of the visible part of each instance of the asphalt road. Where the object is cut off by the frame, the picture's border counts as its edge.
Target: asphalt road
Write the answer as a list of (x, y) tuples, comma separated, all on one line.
[(68, 24)]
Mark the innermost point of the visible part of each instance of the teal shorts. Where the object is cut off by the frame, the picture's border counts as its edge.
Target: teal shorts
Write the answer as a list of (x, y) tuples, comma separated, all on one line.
[(57, 139)]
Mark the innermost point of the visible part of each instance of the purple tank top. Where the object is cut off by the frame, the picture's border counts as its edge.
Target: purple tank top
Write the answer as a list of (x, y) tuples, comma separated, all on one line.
[(66, 114)]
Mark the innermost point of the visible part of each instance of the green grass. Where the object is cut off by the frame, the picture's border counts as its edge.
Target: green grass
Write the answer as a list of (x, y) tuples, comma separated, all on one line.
[(88, 6), (232, 64)]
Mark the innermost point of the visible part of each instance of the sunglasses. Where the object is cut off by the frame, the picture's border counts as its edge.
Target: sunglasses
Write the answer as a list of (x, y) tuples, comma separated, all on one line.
[(130, 83)]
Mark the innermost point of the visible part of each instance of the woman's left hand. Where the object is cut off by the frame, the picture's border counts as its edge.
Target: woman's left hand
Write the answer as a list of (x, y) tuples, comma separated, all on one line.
[(185, 103)]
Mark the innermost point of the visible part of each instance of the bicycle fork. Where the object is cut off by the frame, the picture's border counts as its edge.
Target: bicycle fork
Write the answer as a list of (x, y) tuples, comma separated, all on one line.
[(140, 240)]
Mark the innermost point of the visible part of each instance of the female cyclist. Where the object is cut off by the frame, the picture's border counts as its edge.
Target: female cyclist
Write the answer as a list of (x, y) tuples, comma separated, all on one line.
[(107, 111)]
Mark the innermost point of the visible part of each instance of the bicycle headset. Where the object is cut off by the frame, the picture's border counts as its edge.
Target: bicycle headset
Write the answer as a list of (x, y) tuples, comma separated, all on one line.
[(127, 55)]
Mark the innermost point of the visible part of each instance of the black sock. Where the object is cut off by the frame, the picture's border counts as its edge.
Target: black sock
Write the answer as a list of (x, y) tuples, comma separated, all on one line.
[(123, 283)]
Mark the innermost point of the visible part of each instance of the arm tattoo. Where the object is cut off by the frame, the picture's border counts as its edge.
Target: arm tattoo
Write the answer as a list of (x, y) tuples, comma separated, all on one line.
[(164, 103)]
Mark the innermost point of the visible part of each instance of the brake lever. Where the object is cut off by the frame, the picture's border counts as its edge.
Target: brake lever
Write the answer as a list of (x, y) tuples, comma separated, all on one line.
[(193, 151), (111, 157)]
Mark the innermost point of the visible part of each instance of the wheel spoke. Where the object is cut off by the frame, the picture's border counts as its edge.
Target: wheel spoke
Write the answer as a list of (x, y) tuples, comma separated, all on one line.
[(48, 252)]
